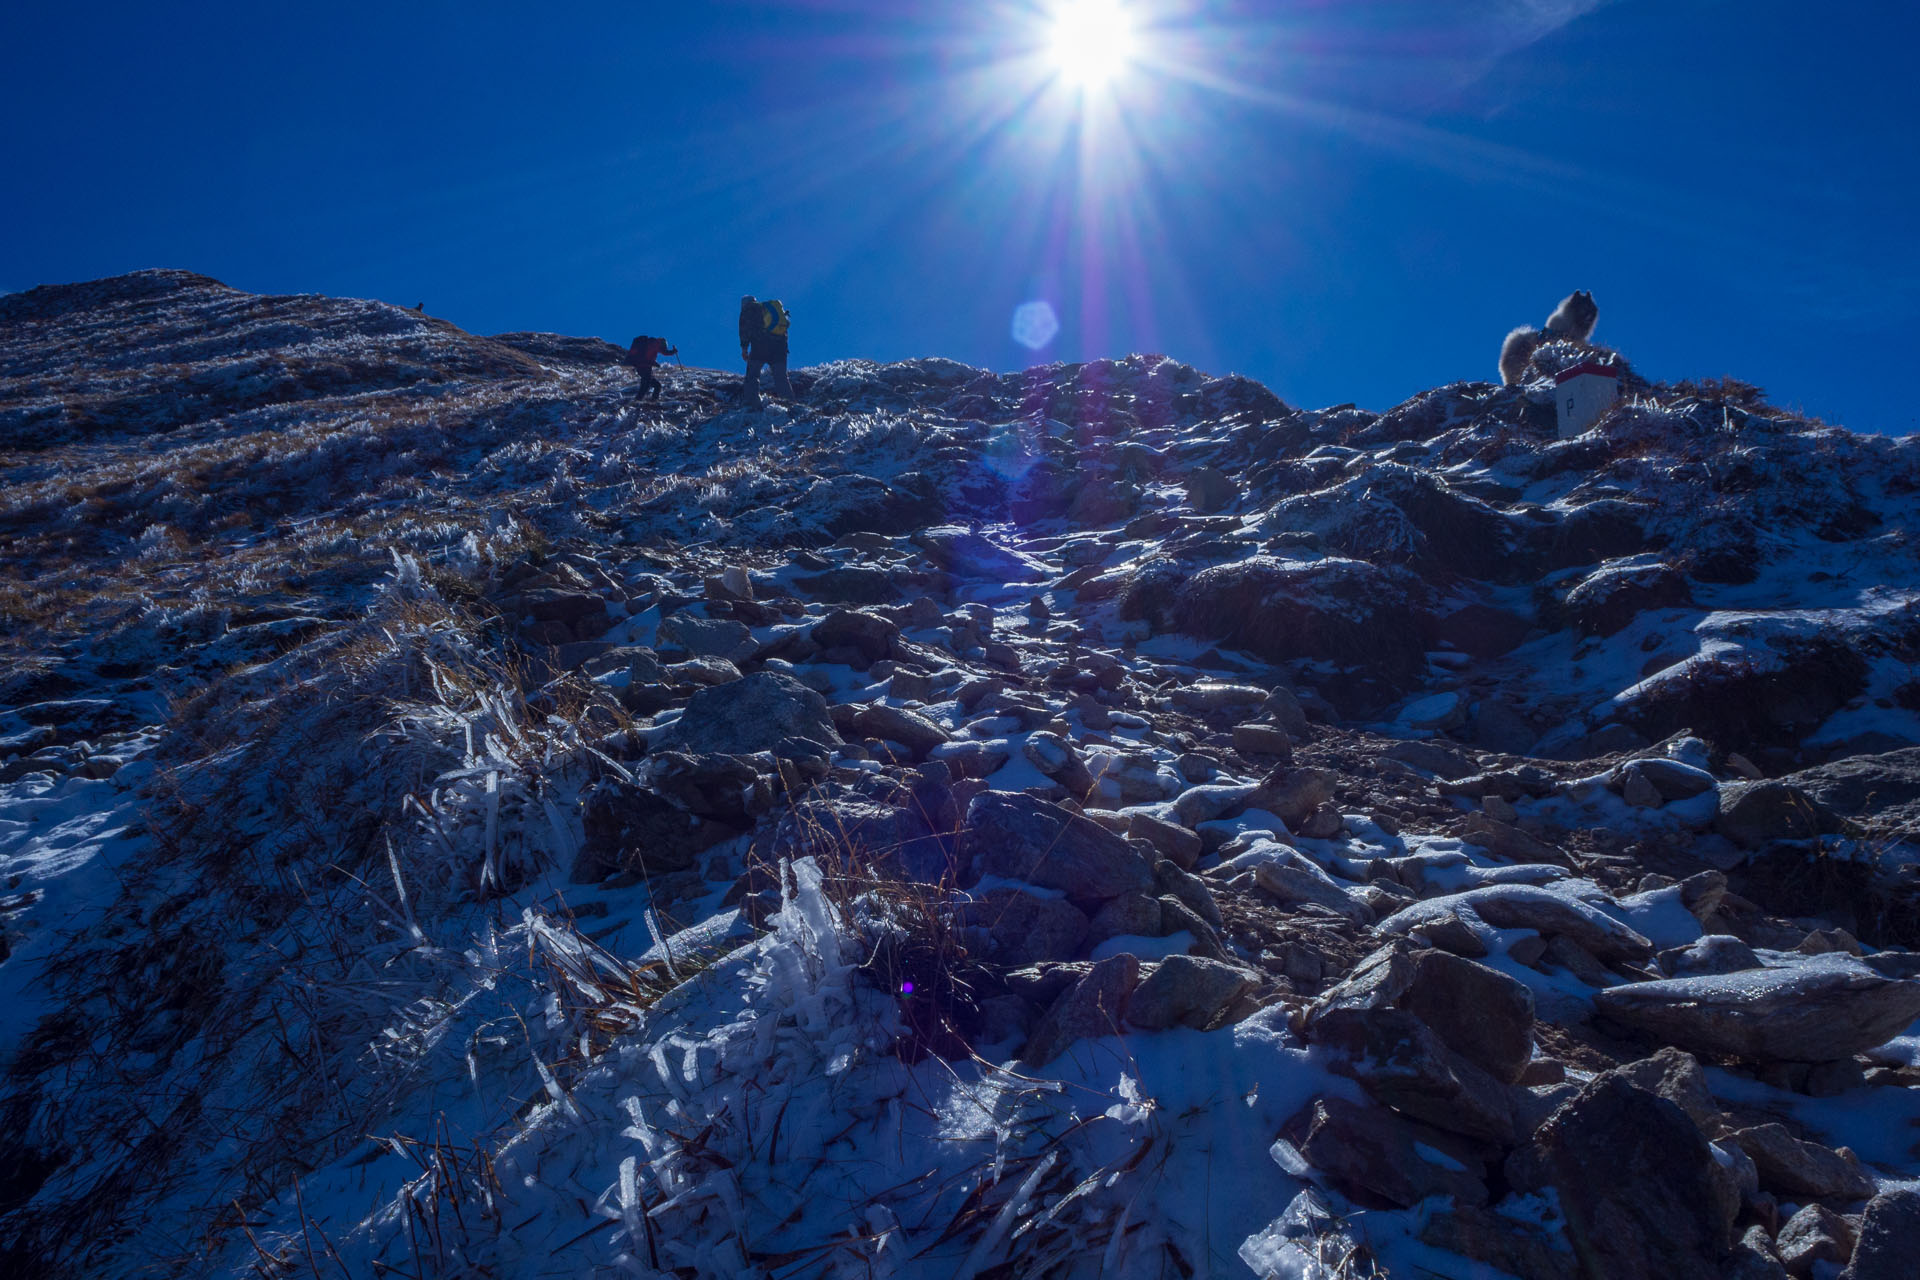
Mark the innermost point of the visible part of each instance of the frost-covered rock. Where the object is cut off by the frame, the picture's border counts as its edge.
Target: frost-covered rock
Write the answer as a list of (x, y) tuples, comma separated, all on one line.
[(1186, 991), (1820, 1010), (1889, 1237), (1092, 1007), (1371, 1151), (1815, 1234), (1798, 1169), (1642, 1193), (1520, 906), (751, 714), (1023, 838)]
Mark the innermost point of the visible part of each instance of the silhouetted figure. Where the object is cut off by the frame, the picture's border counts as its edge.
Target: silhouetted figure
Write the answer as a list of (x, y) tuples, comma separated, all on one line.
[(643, 355), (421, 307), (763, 341)]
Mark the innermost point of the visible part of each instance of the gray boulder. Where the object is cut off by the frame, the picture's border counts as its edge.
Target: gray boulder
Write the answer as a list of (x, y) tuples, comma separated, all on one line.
[(1024, 838), (1799, 1169), (867, 634), (1187, 991), (1889, 1238), (1815, 1234), (1478, 1012), (1026, 928), (1293, 794), (1882, 792), (1825, 1009), (1713, 953), (1370, 1151), (1677, 1077), (749, 714), (1638, 1184), (1519, 906), (707, 637), (1753, 814), (915, 732), (1399, 1060), (1092, 1007), (1131, 914)]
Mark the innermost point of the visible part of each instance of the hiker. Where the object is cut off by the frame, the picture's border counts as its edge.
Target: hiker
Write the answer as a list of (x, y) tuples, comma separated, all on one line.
[(763, 341), (642, 355)]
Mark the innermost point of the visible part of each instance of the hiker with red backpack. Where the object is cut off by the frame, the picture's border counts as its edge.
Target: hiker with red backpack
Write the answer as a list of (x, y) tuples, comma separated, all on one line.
[(763, 341), (643, 355)]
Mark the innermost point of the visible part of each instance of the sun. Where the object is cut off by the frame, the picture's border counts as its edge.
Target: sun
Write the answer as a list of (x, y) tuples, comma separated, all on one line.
[(1091, 41)]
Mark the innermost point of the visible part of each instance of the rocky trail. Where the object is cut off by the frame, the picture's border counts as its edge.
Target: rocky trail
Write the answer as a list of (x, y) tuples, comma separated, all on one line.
[(1101, 820)]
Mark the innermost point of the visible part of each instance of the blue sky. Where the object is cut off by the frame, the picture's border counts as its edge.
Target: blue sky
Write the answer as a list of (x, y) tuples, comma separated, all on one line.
[(1350, 200)]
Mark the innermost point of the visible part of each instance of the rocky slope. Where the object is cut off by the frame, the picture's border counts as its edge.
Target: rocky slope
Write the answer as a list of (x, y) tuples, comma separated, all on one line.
[(1100, 820)]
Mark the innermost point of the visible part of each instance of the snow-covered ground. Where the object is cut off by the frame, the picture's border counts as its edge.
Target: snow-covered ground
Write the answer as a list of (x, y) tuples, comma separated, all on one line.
[(332, 630)]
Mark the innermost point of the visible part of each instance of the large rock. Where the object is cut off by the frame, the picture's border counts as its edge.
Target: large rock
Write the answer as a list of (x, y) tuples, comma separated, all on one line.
[(707, 637), (1677, 1077), (750, 714), (1026, 928), (1292, 794), (1757, 813), (1800, 1170), (1129, 915), (1347, 612), (1520, 906), (1093, 1007), (896, 839), (1824, 1009), (867, 634), (631, 828), (1398, 1060), (1023, 838), (1642, 1193), (1371, 1152), (1815, 1234), (917, 733), (1186, 991), (728, 788), (1608, 599), (1297, 880), (1879, 791), (1889, 1238), (1478, 1012)]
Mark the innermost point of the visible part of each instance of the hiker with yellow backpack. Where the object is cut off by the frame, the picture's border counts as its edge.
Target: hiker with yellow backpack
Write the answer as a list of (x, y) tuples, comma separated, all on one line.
[(763, 341)]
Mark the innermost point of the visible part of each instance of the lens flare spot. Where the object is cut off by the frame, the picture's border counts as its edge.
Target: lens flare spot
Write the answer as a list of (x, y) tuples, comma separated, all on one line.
[(1035, 325)]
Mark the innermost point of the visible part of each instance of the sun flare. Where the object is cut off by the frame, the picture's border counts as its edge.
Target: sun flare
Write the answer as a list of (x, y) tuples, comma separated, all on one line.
[(1091, 41)]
